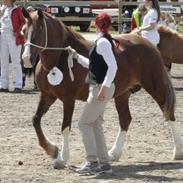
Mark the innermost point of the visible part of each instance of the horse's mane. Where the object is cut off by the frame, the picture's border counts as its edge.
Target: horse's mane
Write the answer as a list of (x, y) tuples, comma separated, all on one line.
[(71, 31), (74, 33), (162, 29), (49, 16)]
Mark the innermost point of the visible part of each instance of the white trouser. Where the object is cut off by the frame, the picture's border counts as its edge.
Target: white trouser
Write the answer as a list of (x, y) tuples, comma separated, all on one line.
[(90, 125), (9, 48)]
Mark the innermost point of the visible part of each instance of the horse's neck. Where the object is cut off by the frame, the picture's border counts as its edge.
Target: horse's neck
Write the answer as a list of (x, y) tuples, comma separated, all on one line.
[(77, 42), (61, 37)]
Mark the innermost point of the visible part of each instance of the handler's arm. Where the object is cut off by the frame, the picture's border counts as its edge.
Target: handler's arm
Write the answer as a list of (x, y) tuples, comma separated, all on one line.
[(148, 27), (83, 61)]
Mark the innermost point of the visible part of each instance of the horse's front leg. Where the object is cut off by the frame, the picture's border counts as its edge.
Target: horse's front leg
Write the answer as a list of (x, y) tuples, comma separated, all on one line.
[(122, 106), (63, 158), (44, 103)]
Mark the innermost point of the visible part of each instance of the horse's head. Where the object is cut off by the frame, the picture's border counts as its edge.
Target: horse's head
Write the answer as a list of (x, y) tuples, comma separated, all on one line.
[(34, 32), (46, 34)]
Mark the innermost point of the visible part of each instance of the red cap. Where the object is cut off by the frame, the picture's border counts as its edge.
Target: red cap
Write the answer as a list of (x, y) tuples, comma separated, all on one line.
[(103, 22)]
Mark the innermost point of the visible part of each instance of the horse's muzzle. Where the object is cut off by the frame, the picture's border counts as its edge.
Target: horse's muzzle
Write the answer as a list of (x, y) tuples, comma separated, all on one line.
[(26, 57), (26, 61)]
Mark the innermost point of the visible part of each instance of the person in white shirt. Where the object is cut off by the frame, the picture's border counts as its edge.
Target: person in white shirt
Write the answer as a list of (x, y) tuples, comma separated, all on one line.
[(102, 71), (148, 29), (168, 20), (12, 21)]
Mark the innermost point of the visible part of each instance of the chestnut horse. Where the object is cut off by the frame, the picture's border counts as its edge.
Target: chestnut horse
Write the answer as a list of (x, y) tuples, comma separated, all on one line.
[(170, 46), (138, 63)]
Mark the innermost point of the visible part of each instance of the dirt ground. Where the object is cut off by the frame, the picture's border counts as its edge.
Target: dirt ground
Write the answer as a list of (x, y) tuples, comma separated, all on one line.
[(148, 151)]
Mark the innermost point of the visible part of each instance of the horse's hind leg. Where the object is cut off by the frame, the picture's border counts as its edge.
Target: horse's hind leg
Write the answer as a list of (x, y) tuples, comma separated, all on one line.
[(44, 103), (164, 95), (122, 106)]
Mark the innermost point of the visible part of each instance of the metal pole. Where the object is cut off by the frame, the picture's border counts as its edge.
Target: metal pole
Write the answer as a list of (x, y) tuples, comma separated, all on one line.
[(120, 4)]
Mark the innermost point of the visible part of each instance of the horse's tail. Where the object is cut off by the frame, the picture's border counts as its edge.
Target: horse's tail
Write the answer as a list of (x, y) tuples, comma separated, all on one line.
[(156, 82), (170, 99)]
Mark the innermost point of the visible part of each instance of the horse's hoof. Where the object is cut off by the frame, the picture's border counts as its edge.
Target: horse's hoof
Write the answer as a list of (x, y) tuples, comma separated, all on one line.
[(59, 163), (113, 156), (178, 154)]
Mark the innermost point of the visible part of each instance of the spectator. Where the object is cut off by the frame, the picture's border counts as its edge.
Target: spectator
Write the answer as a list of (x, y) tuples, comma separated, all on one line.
[(180, 26), (168, 20), (137, 16), (30, 9), (12, 40), (162, 20), (126, 25)]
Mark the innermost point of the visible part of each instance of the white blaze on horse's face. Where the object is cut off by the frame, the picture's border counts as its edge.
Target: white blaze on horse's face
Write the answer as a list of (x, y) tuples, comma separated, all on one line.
[(27, 52)]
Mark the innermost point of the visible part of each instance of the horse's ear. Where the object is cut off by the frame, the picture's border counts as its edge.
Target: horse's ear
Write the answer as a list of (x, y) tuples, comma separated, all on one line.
[(40, 14), (25, 13)]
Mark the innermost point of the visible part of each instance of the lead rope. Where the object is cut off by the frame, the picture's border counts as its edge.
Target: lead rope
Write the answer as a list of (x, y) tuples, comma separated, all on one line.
[(70, 56), (70, 66)]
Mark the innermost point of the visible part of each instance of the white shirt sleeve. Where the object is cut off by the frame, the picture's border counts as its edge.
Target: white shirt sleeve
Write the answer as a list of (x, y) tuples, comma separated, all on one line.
[(83, 61), (104, 48), (153, 16)]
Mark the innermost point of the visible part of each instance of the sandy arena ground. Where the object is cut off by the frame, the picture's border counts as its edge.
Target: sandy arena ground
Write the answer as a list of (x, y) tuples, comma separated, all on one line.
[(148, 151)]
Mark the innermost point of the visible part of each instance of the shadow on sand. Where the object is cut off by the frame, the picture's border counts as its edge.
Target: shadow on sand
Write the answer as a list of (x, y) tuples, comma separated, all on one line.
[(143, 171)]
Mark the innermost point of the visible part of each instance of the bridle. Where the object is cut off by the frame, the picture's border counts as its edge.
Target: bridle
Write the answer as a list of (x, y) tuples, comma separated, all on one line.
[(45, 47)]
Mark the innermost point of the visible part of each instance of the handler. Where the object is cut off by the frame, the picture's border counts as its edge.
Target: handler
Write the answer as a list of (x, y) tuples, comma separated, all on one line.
[(102, 71)]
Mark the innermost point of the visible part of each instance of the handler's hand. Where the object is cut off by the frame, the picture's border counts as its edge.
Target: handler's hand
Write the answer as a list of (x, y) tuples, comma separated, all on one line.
[(72, 52), (138, 31), (134, 31), (102, 93)]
